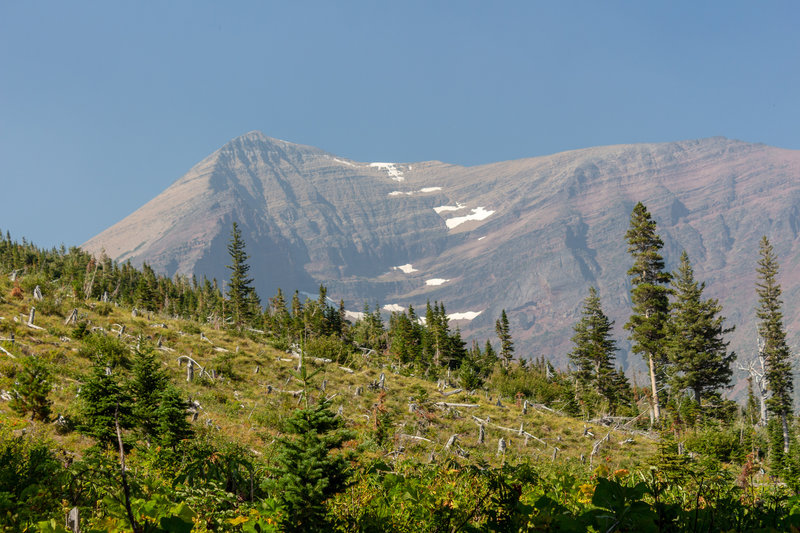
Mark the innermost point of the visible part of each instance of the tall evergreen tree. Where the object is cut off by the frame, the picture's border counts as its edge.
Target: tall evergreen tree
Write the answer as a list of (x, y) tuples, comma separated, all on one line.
[(503, 331), (696, 346), (778, 368), (593, 354), (241, 294), (148, 384), (103, 401), (170, 417), (649, 296)]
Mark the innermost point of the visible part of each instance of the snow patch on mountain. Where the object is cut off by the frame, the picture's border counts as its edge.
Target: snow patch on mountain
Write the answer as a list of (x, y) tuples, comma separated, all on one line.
[(443, 208), (410, 193), (467, 315), (342, 161), (391, 169), (479, 213), (436, 281), (408, 268)]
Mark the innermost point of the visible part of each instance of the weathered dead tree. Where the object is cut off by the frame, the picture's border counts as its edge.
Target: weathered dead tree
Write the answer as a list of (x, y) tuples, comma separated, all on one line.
[(72, 319), (481, 434), (37, 293), (501, 446), (445, 405), (191, 362), (450, 393), (756, 370), (596, 447)]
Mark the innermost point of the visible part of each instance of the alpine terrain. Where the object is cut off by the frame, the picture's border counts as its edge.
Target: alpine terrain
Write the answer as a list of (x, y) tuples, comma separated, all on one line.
[(528, 236)]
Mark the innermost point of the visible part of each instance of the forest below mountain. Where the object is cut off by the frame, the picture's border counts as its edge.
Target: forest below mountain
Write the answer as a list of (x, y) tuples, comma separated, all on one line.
[(136, 402)]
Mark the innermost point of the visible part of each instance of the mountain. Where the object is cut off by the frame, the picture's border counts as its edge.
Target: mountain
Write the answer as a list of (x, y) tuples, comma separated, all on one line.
[(528, 235)]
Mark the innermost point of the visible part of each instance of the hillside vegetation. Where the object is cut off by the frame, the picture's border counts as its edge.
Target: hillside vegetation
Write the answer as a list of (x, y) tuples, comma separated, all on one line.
[(144, 403)]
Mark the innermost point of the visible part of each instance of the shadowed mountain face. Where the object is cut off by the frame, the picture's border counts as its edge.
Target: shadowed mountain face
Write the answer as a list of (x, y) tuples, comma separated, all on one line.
[(529, 235)]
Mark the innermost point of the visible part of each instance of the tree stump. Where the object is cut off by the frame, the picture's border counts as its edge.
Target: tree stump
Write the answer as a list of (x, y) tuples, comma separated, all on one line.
[(74, 520), (32, 316), (37, 293), (501, 446), (481, 434)]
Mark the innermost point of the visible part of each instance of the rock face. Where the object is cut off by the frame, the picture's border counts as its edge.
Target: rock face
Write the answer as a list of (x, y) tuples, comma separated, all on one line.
[(529, 235)]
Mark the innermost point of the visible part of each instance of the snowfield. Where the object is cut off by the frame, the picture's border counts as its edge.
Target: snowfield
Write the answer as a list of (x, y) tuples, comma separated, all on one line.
[(391, 169), (479, 213)]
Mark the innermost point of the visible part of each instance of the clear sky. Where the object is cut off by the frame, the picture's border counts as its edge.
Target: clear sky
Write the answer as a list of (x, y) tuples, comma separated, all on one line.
[(104, 104)]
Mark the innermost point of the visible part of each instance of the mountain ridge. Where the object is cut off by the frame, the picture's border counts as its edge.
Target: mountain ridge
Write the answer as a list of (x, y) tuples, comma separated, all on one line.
[(529, 235)]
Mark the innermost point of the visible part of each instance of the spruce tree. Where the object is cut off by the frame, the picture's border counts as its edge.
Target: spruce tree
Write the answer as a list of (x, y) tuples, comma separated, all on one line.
[(148, 384), (696, 346), (778, 368), (102, 401), (241, 294), (649, 296), (503, 331), (170, 417), (30, 392), (309, 471), (593, 354)]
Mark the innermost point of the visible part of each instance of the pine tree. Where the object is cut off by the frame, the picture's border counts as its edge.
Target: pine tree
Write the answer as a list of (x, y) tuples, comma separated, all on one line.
[(170, 417), (308, 472), (30, 392), (649, 296), (778, 368), (593, 354), (102, 401), (504, 334), (148, 384), (696, 346), (241, 294)]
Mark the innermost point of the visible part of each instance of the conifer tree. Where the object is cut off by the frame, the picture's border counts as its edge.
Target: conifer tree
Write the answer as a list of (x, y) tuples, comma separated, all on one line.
[(593, 354), (148, 384), (504, 334), (649, 296), (30, 392), (170, 417), (102, 401), (241, 294), (696, 346), (308, 470), (778, 368)]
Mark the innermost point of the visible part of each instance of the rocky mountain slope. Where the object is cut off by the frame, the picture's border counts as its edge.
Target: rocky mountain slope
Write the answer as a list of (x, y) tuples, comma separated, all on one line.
[(529, 235)]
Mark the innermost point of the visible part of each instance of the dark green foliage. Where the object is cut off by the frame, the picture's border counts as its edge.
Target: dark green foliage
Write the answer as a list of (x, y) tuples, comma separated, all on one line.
[(593, 354), (775, 351), (503, 331), (309, 470), (103, 400), (695, 340), (170, 417), (30, 392), (111, 349), (476, 367), (649, 295), (32, 482), (148, 383), (242, 296)]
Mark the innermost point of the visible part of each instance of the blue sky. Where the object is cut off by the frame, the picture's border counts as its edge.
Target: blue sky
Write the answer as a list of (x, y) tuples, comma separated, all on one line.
[(104, 104)]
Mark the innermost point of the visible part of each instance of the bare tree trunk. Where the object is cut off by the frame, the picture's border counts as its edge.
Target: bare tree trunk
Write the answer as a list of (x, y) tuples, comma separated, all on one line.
[(125, 488), (785, 425), (653, 385)]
